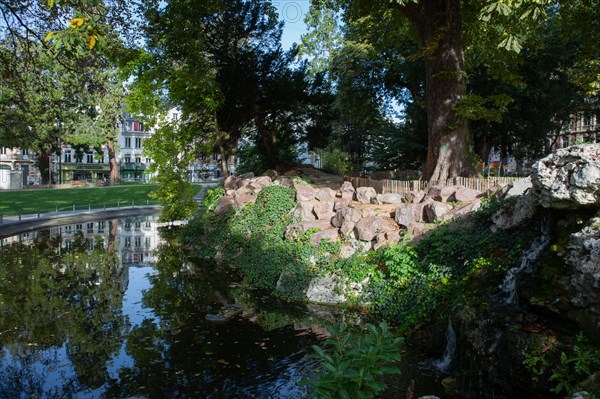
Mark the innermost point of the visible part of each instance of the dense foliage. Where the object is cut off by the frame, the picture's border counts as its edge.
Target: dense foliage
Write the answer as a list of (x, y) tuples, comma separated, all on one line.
[(354, 364)]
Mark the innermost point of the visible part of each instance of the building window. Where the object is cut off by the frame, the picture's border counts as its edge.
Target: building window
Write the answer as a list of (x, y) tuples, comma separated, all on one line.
[(147, 160), (2, 150), (90, 157), (138, 160), (138, 142), (127, 158), (68, 157), (24, 152), (565, 142), (127, 142), (587, 120)]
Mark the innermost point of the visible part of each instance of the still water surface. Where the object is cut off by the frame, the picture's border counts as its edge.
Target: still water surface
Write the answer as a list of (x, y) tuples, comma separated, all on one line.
[(111, 309)]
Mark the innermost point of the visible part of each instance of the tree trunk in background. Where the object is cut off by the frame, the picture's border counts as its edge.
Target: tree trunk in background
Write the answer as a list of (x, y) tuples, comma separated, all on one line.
[(224, 169), (439, 26), (112, 160), (44, 165)]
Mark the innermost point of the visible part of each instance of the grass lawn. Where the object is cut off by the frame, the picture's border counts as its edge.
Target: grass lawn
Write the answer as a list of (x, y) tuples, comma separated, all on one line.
[(49, 200)]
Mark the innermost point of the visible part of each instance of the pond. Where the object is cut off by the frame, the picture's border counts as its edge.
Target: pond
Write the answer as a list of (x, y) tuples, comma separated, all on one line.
[(112, 309)]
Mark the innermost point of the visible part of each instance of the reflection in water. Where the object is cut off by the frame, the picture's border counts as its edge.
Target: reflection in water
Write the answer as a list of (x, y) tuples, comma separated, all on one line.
[(91, 310)]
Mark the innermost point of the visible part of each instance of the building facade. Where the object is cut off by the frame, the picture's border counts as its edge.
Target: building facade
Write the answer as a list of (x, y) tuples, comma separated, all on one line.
[(17, 168)]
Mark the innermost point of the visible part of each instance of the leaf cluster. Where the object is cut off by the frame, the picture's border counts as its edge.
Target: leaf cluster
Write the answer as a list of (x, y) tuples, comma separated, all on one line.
[(354, 364)]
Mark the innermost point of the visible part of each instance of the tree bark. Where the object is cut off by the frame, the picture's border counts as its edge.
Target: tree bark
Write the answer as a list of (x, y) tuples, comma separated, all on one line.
[(223, 154), (112, 161), (439, 26)]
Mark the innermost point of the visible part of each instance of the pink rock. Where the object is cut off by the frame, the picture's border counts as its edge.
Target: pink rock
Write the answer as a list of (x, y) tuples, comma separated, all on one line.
[(304, 210), (325, 194), (464, 194), (436, 212), (349, 214), (324, 210), (232, 183), (340, 203), (410, 213), (242, 199), (441, 194), (293, 230), (414, 197), (367, 228), (304, 192), (365, 195), (224, 203), (332, 235), (466, 209), (284, 181), (347, 191)]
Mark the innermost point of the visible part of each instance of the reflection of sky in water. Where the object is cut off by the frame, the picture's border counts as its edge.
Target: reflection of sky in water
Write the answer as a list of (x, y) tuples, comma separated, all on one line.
[(31, 372), (135, 312)]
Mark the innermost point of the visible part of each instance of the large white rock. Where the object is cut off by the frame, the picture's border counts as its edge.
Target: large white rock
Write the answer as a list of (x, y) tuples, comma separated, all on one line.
[(569, 178)]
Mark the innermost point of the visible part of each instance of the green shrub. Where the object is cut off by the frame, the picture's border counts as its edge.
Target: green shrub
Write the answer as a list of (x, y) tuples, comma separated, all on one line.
[(353, 365)]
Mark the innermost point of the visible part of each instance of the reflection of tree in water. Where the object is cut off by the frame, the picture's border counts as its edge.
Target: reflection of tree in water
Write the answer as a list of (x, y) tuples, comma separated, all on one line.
[(53, 296), (184, 356)]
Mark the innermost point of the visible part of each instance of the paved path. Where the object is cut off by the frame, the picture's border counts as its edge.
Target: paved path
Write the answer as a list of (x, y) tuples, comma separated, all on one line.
[(199, 197)]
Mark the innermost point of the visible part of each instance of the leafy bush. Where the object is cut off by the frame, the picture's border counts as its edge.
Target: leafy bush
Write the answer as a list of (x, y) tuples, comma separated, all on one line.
[(211, 198), (354, 365)]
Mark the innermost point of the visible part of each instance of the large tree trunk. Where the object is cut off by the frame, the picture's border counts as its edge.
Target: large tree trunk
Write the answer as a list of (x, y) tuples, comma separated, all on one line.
[(112, 161), (439, 26), (223, 161)]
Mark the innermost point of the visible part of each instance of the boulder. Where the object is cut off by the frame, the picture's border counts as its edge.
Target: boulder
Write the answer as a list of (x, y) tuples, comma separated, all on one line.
[(569, 178), (436, 212), (326, 289), (340, 203), (303, 211), (324, 210), (347, 191), (232, 183), (517, 188), (509, 217), (465, 209), (365, 195), (325, 195), (304, 192), (442, 194), (418, 229), (389, 198), (389, 238), (293, 230), (463, 194), (332, 235), (260, 182), (244, 189), (367, 228), (414, 197), (242, 199), (410, 213), (284, 181), (584, 258), (350, 214), (223, 204)]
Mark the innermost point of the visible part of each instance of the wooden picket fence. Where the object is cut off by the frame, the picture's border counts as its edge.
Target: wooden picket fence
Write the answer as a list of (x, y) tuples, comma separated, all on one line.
[(404, 186)]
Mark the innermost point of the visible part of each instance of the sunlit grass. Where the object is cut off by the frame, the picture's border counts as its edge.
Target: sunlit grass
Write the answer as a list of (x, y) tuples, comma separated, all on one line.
[(51, 200)]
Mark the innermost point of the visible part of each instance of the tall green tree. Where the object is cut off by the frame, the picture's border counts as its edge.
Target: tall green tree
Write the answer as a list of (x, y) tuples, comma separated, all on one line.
[(439, 28)]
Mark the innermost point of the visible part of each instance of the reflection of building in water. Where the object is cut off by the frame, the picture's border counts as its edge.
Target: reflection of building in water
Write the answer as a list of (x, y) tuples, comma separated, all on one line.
[(135, 238), (138, 238)]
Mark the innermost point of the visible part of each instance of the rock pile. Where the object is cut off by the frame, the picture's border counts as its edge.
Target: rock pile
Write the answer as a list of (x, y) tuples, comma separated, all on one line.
[(365, 219)]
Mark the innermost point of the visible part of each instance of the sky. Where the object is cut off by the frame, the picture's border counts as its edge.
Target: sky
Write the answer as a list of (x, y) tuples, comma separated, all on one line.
[(292, 12)]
